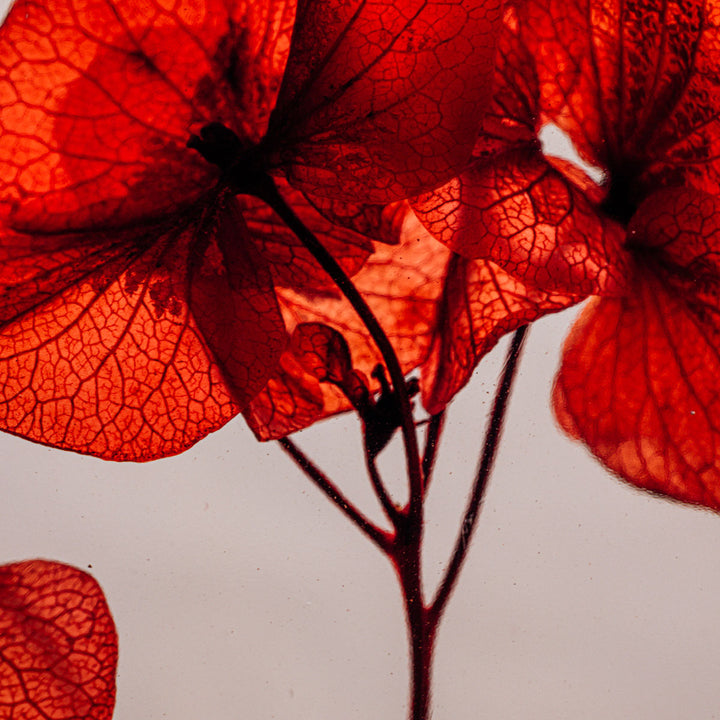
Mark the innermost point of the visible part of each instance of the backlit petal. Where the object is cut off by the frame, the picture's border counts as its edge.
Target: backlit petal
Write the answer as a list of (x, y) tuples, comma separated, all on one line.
[(142, 348), (635, 85), (639, 377), (58, 646), (382, 100)]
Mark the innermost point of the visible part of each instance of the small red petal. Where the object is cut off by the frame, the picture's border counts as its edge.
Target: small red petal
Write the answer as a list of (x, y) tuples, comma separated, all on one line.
[(325, 354), (58, 646), (480, 303), (292, 400), (322, 351)]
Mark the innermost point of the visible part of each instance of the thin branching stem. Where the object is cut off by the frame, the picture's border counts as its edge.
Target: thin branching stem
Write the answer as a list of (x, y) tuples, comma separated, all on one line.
[(379, 536), (273, 198), (432, 442), (492, 437), (382, 494)]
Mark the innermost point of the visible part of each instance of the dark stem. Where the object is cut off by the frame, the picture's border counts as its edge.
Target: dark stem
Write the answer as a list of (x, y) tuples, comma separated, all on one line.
[(388, 506), (404, 545), (407, 557), (381, 538), (489, 452), (272, 197), (432, 441)]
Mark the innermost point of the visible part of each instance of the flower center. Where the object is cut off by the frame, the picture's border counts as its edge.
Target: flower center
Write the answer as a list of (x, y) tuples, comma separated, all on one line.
[(622, 199), (218, 145), (242, 166)]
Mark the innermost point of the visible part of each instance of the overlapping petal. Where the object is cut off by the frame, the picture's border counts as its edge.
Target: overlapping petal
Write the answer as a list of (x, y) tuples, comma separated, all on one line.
[(639, 376), (58, 646), (519, 211), (442, 312), (290, 263), (635, 85), (154, 338), (480, 303), (381, 100), (96, 103), (402, 285), (139, 307), (535, 218)]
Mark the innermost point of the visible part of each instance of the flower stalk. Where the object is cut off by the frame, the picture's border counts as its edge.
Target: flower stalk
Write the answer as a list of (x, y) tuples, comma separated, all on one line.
[(403, 545)]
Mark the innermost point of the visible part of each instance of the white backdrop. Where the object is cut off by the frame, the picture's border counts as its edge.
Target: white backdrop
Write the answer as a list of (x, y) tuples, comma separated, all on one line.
[(239, 592)]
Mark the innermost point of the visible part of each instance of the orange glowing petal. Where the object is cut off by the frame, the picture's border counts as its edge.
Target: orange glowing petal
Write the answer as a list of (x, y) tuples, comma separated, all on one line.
[(292, 400), (383, 100), (136, 314), (517, 210), (138, 349), (639, 376), (58, 646), (96, 102), (401, 284)]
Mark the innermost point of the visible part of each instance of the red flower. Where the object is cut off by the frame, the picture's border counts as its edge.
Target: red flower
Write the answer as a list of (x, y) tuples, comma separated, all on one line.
[(636, 87), (58, 646), (137, 291), (533, 215)]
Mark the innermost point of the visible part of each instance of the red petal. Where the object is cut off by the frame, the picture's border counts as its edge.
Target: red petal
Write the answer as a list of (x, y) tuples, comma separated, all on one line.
[(518, 211), (382, 100), (114, 355), (292, 400), (58, 646), (97, 102), (323, 352), (382, 223), (232, 299), (634, 84), (401, 285), (480, 303), (513, 206), (440, 313), (639, 378)]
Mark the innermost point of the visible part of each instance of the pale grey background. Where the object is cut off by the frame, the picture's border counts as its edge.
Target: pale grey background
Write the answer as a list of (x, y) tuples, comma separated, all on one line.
[(239, 592)]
